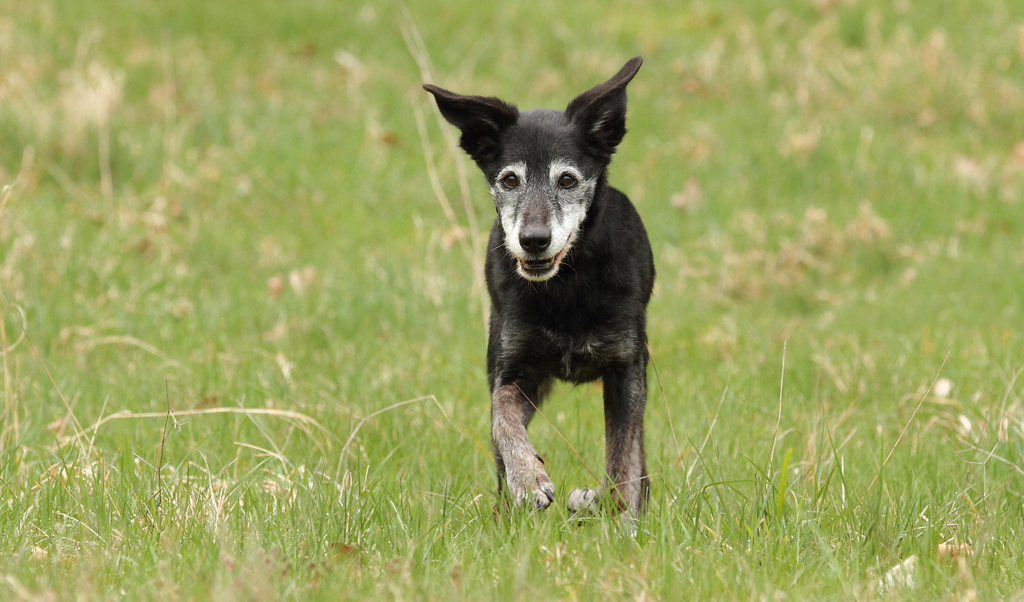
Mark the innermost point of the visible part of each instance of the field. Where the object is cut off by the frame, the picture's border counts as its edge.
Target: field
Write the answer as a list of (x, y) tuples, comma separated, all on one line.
[(243, 324)]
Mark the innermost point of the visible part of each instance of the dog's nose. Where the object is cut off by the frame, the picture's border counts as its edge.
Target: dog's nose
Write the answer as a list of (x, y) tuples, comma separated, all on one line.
[(535, 238)]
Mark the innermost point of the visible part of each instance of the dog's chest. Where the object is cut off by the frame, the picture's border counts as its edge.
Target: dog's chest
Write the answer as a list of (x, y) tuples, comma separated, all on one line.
[(576, 356), (584, 357)]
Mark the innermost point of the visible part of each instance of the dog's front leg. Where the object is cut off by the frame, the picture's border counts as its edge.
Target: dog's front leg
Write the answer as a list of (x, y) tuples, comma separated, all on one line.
[(625, 396), (518, 464)]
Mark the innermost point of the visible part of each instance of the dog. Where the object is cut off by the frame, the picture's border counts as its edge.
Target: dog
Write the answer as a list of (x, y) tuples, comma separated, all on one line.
[(570, 273)]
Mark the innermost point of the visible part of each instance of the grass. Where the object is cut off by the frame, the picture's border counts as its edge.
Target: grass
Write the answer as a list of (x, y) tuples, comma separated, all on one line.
[(223, 209)]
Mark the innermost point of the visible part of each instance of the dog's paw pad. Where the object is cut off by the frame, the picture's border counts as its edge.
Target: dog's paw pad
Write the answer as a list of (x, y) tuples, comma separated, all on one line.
[(582, 501)]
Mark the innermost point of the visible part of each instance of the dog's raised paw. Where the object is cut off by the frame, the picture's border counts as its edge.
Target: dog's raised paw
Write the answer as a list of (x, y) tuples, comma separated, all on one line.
[(582, 501)]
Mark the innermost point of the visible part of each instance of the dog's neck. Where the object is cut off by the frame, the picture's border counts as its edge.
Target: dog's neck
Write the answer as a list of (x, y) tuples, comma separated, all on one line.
[(591, 225)]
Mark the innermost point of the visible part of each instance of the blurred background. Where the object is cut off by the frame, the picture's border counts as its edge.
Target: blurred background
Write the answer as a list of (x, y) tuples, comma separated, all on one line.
[(253, 204)]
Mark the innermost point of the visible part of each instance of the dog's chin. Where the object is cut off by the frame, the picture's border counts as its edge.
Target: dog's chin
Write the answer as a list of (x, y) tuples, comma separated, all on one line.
[(539, 270)]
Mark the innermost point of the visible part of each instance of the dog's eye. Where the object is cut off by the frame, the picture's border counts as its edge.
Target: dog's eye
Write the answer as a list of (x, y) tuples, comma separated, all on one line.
[(567, 180), (510, 180)]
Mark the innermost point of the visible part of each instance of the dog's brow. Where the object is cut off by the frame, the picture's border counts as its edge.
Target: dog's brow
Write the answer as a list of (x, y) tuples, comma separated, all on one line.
[(518, 168), (561, 166)]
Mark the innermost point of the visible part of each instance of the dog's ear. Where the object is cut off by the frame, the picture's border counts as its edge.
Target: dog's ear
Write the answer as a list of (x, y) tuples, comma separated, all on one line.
[(480, 118), (601, 111)]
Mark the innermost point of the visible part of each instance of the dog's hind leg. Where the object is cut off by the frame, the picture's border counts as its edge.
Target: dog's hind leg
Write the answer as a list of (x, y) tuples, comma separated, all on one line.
[(519, 466), (625, 396)]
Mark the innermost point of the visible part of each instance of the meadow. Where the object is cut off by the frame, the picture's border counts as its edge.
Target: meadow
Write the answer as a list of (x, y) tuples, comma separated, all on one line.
[(242, 316)]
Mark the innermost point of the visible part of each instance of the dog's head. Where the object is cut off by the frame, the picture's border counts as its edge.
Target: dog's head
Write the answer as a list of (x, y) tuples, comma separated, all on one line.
[(542, 166)]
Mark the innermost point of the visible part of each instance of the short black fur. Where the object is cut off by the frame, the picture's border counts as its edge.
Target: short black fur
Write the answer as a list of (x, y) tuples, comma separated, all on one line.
[(588, 320)]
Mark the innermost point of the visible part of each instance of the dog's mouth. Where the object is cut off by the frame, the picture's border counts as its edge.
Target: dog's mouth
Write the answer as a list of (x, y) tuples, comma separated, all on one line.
[(537, 266), (542, 269)]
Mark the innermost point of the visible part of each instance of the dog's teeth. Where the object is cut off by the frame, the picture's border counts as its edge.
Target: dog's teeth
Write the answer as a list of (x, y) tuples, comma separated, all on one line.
[(539, 263)]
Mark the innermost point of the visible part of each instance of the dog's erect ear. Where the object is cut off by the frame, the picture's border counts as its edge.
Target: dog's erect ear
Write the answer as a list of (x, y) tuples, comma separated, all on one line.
[(601, 111), (480, 118)]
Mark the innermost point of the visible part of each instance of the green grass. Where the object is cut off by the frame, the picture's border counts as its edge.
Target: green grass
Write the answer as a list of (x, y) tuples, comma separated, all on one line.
[(853, 175)]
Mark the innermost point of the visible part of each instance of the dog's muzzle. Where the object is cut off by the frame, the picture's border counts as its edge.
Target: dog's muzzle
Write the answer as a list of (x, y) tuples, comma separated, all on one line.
[(536, 240)]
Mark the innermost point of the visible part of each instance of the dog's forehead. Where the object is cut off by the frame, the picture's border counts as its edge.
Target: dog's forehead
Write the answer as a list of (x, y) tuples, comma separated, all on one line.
[(540, 137)]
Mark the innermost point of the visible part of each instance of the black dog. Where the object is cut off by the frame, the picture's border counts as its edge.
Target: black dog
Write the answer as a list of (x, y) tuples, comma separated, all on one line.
[(569, 271)]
